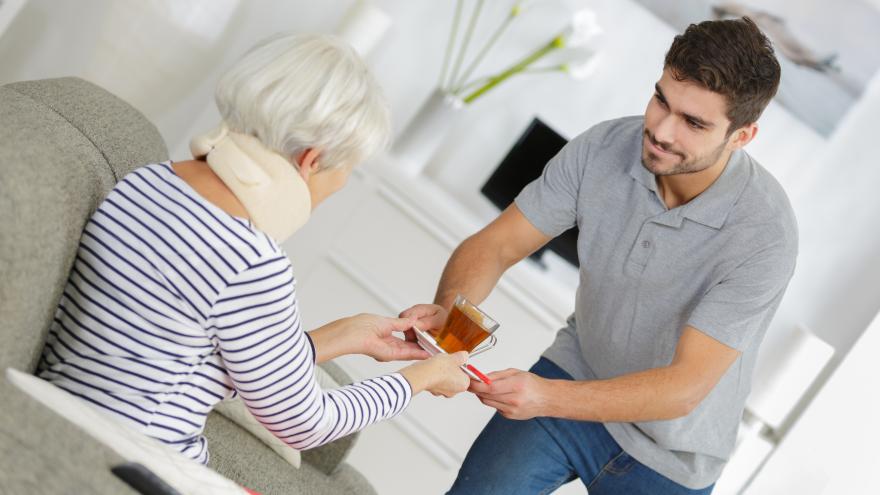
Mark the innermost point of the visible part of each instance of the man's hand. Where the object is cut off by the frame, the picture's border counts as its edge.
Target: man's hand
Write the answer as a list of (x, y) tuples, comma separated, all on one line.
[(427, 317), (516, 394), (377, 340), (655, 394)]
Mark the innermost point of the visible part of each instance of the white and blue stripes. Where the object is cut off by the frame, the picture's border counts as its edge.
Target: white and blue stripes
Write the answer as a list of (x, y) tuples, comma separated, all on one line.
[(173, 305)]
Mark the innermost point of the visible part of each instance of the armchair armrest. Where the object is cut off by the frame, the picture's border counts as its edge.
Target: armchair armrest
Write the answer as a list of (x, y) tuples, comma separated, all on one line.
[(327, 458), (42, 452)]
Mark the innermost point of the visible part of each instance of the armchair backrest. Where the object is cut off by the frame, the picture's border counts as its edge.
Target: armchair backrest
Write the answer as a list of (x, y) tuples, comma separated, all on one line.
[(63, 145)]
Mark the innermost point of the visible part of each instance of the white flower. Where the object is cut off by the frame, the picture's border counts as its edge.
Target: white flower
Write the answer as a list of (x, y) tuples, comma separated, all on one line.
[(583, 28), (522, 6), (580, 62)]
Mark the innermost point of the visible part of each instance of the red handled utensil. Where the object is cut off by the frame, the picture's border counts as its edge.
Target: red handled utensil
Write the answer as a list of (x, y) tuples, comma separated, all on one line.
[(427, 342)]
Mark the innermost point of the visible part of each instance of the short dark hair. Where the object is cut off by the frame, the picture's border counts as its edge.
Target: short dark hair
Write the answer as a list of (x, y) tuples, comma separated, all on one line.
[(730, 57)]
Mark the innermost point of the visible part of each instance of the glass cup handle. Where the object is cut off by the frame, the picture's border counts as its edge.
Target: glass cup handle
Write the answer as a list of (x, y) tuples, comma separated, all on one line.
[(484, 346)]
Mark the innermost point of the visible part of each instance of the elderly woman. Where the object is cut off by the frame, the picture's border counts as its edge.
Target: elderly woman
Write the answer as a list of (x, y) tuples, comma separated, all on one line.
[(181, 296)]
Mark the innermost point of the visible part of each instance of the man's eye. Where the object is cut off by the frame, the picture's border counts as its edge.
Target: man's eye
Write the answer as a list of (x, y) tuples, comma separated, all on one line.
[(660, 99), (693, 124)]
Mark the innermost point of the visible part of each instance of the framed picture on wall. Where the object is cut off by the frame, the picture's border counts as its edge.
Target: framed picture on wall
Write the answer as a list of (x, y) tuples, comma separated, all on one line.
[(8, 10), (827, 50)]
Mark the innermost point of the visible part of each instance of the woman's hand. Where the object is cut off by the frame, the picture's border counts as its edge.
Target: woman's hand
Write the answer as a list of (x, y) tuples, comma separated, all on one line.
[(440, 375), (427, 317), (377, 339), (367, 334)]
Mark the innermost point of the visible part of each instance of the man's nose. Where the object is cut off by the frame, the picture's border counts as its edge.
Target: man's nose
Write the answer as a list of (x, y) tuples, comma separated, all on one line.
[(664, 131)]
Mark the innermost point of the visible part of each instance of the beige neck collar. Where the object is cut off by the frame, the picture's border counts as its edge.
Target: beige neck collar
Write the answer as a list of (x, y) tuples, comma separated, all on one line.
[(268, 186)]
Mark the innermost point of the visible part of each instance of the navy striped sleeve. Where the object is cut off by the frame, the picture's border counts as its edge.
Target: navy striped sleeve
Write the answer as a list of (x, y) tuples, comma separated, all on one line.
[(271, 362)]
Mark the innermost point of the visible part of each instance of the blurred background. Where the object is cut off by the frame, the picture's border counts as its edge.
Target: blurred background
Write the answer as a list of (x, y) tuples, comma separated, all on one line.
[(811, 424)]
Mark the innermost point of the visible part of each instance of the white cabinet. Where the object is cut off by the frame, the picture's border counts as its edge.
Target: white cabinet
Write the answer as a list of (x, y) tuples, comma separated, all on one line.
[(379, 246), (832, 448)]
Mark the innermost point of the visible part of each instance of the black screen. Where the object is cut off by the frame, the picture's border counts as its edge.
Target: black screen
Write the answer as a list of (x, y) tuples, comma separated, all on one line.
[(524, 163)]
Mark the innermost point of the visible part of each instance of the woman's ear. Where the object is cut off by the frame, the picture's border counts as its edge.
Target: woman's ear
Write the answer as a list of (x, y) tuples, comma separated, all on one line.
[(308, 162)]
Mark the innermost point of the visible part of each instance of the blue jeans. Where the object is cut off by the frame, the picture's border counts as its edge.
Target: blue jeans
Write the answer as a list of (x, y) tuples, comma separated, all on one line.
[(539, 455)]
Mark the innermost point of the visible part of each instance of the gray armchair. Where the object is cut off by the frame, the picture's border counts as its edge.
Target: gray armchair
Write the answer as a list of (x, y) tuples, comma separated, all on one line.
[(63, 145)]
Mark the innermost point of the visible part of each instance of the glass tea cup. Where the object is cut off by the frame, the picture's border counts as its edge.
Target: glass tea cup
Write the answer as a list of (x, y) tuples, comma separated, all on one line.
[(467, 328)]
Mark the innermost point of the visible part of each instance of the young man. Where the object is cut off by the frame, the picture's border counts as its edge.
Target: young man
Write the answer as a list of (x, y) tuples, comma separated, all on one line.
[(686, 247)]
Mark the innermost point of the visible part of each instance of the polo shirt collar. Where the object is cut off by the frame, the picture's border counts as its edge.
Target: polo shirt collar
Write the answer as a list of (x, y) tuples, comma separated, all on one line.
[(713, 205)]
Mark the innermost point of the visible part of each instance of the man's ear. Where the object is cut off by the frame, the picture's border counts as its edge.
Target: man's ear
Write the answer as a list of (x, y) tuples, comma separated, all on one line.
[(308, 162), (743, 136)]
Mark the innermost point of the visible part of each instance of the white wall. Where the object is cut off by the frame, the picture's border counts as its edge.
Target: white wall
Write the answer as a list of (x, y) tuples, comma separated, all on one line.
[(164, 56), (837, 287), (622, 85)]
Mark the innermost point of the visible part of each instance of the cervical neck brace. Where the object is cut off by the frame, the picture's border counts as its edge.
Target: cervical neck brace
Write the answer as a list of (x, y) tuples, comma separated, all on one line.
[(269, 187)]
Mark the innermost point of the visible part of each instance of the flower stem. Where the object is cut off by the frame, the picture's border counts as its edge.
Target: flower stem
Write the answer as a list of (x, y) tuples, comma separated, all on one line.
[(539, 70), (515, 68), (455, 22), (467, 39), (488, 46), (473, 83)]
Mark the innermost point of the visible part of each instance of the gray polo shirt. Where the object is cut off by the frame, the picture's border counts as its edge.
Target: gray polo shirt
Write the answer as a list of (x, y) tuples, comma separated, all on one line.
[(719, 263)]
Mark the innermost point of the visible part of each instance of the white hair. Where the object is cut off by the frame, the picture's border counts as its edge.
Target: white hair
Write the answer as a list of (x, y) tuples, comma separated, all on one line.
[(294, 92)]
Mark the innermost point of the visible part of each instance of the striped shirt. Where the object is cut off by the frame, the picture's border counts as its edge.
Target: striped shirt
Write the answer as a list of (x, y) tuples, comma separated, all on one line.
[(173, 305)]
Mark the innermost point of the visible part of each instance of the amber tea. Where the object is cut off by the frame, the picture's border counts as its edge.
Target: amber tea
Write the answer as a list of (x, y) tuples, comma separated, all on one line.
[(466, 327)]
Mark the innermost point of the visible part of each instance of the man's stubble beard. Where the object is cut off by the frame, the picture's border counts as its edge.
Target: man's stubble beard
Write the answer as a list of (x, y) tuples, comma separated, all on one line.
[(692, 166)]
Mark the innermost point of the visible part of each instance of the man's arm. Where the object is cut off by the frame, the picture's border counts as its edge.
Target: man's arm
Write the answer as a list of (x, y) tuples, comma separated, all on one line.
[(727, 318), (656, 394), (477, 264)]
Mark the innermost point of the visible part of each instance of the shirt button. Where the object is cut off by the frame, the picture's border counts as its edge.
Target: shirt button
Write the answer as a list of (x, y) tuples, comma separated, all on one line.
[(646, 244)]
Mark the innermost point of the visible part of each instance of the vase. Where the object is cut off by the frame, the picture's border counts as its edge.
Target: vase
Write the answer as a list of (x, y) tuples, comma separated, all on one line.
[(418, 142), (363, 26)]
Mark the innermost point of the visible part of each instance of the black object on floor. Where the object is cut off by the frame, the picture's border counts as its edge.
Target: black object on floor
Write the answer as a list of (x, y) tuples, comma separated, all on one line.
[(142, 479)]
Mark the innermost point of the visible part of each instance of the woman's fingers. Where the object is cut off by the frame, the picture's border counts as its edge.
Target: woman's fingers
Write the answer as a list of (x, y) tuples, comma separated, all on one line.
[(409, 351)]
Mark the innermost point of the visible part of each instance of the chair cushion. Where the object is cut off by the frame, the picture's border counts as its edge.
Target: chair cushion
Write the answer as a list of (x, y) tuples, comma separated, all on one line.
[(236, 411), (240, 456)]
